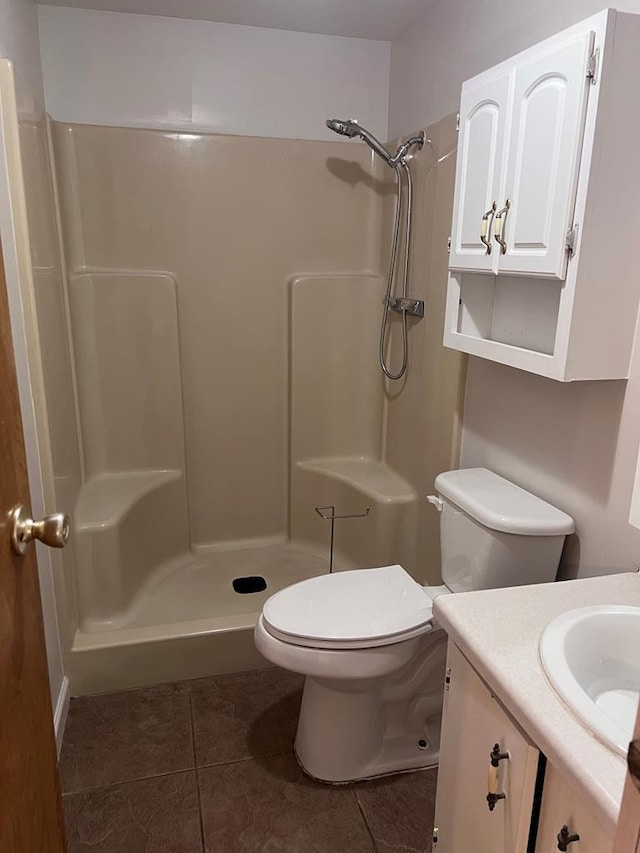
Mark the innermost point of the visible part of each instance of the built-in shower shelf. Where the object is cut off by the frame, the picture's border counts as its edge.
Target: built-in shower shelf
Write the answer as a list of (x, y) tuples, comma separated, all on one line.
[(135, 520), (106, 499), (372, 478), (350, 483)]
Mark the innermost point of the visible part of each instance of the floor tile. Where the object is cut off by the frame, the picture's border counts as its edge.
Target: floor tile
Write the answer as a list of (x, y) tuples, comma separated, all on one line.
[(245, 715), (268, 804), (151, 816), (120, 737), (399, 811)]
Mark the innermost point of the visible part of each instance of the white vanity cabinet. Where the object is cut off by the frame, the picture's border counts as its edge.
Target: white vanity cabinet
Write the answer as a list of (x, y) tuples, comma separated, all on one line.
[(537, 801), (473, 723), (543, 255), (562, 807)]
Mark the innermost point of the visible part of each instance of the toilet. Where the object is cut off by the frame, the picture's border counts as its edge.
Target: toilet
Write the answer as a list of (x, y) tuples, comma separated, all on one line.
[(366, 641)]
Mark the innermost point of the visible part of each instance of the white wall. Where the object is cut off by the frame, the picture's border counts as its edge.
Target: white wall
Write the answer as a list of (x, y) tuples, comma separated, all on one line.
[(19, 42), (120, 69), (574, 444), (456, 39)]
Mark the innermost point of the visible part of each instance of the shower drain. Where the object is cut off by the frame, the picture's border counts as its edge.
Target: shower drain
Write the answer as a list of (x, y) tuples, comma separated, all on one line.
[(247, 585)]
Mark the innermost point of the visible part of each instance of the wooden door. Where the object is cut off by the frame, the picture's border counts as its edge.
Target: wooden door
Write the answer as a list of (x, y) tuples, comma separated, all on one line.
[(544, 146), (473, 722), (479, 172), (31, 819)]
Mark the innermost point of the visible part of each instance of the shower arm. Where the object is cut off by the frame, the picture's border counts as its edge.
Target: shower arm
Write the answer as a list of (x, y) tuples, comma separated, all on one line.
[(400, 156)]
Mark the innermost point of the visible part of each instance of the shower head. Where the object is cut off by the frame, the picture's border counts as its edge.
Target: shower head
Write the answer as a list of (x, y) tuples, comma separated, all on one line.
[(350, 127)]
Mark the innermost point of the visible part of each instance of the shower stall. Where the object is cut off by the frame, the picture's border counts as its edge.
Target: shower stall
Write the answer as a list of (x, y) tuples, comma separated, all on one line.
[(222, 299)]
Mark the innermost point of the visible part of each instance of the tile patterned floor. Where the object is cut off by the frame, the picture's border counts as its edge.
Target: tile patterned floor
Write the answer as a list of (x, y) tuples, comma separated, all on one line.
[(207, 765)]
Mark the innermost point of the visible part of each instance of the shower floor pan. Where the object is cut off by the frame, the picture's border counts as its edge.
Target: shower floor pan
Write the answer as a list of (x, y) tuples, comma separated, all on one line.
[(188, 622)]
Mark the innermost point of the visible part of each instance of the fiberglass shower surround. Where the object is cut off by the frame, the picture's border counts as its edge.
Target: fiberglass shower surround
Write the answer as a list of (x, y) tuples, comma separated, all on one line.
[(403, 305), (160, 241)]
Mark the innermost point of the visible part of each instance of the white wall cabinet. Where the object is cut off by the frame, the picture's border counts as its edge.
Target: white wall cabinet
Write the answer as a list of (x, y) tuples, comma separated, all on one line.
[(473, 721), (520, 142), (544, 233)]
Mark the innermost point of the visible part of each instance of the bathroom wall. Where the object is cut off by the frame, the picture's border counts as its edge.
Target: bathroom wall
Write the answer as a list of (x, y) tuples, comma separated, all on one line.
[(40, 351), (232, 220), (577, 444), (121, 69), (456, 39)]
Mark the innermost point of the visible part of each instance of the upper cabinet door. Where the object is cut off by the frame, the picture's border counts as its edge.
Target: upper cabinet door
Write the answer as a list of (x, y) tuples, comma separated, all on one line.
[(479, 173), (545, 142)]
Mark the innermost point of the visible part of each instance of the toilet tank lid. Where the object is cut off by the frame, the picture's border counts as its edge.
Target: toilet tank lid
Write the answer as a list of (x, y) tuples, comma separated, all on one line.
[(501, 505)]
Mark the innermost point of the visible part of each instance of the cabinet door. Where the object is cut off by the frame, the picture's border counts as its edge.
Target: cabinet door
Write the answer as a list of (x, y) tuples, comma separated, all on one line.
[(473, 722), (545, 143), (560, 807), (479, 171)]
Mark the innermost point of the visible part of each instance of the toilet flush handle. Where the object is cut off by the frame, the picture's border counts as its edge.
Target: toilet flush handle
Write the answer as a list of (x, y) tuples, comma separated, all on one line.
[(436, 501)]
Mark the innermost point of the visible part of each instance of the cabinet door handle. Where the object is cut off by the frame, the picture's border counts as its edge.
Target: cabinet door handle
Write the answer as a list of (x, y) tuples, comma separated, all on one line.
[(498, 227), (485, 227), (495, 757), (565, 838)]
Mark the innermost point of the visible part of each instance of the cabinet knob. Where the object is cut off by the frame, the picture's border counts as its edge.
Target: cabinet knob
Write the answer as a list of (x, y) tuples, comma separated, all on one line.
[(498, 228), (485, 227), (565, 838)]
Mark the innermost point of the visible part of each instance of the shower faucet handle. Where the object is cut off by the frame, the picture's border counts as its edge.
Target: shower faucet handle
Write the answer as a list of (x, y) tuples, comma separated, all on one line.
[(406, 305)]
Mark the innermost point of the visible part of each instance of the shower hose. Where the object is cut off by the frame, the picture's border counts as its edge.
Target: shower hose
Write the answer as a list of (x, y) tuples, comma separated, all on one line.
[(398, 167)]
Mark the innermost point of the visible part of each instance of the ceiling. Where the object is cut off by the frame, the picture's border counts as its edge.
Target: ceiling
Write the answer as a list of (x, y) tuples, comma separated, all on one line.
[(371, 19)]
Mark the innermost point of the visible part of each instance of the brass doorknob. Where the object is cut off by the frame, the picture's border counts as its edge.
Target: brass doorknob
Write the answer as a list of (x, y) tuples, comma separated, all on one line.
[(52, 530)]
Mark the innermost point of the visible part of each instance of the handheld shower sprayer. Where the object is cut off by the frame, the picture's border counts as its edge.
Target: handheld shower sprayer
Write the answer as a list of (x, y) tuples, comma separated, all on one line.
[(398, 162), (350, 128)]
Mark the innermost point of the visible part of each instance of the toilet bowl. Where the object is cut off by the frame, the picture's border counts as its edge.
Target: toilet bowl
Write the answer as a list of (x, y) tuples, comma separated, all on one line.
[(366, 641), (374, 664)]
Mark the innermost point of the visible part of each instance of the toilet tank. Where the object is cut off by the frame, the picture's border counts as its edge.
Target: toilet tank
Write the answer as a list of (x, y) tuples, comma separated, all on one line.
[(495, 534)]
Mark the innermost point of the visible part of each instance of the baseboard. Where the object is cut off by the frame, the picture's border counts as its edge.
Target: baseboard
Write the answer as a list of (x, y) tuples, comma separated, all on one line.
[(61, 712)]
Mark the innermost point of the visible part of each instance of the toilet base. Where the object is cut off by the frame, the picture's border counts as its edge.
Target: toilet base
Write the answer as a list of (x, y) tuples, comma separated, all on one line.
[(364, 778), (354, 730)]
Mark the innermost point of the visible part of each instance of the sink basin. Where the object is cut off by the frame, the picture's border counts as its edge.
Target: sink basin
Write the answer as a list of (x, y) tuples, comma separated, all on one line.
[(591, 656)]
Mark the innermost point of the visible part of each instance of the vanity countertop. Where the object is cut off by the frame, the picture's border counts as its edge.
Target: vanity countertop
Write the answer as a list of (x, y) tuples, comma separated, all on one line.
[(499, 630)]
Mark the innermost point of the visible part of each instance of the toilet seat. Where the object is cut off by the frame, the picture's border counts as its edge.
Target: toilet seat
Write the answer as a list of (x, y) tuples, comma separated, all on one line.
[(357, 609)]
